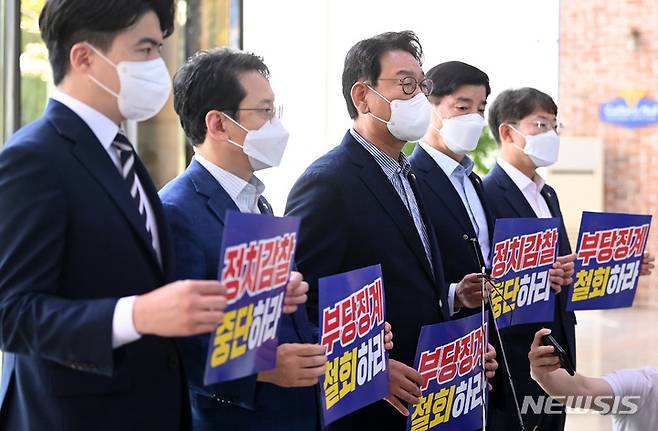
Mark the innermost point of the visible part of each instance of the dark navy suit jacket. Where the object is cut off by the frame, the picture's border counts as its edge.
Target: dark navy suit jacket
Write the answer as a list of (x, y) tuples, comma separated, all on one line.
[(72, 243), (452, 225), (508, 201), (449, 218), (352, 217), (196, 206)]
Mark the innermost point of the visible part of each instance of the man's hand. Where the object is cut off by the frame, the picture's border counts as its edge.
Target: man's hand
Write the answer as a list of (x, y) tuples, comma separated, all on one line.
[(490, 364), (404, 386), (543, 360), (180, 309), (568, 266), (388, 336), (297, 366), (468, 292), (295, 293), (647, 264), (556, 277)]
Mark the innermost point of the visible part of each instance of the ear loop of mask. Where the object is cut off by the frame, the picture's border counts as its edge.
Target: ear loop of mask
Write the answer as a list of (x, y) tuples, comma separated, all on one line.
[(440, 117), (93, 78), (240, 126), (380, 95), (514, 143)]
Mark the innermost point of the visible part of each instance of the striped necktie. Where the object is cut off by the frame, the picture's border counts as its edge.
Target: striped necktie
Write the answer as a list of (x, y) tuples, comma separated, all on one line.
[(127, 159)]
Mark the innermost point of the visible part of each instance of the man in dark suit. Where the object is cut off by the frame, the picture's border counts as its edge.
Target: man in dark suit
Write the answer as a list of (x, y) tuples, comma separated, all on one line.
[(85, 245), (524, 123), (452, 192), (224, 101), (360, 206)]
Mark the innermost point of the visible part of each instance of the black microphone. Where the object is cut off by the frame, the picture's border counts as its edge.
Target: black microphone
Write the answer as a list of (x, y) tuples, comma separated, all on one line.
[(480, 261)]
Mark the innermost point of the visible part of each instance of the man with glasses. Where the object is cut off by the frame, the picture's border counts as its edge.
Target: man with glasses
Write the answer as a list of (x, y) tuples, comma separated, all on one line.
[(226, 107), (360, 206), (525, 126), (524, 123)]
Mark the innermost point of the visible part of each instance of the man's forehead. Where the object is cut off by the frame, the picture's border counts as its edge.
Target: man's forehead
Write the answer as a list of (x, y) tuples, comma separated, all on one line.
[(257, 87), (146, 29), (541, 114), (400, 63)]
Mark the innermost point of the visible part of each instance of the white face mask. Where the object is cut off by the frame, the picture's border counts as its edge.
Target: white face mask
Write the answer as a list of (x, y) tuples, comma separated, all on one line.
[(265, 146), (409, 118), (145, 87), (462, 133), (543, 149)]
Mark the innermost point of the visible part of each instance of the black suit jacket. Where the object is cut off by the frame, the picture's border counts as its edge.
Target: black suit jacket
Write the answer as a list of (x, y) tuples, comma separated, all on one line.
[(452, 224), (72, 244), (196, 207), (449, 217), (508, 201), (352, 217)]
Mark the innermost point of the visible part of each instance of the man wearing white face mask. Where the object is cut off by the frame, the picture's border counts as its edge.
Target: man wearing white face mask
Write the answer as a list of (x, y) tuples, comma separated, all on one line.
[(448, 183), (524, 123), (226, 107), (85, 247), (360, 205)]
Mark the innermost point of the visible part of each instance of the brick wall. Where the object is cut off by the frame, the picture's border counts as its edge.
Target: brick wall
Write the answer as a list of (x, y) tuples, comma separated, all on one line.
[(597, 63)]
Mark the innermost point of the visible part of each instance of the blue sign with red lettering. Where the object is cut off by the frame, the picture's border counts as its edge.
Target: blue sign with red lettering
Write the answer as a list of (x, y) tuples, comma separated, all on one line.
[(449, 357), (352, 332), (523, 254), (609, 257), (256, 257)]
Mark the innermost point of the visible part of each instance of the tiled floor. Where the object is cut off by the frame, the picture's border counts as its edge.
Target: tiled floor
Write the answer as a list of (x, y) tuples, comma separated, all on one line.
[(611, 340)]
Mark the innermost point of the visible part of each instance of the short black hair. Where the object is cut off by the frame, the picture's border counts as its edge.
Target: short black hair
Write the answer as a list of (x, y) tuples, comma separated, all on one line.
[(449, 76), (209, 80), (64, 23), (513, 105), (362, 60)]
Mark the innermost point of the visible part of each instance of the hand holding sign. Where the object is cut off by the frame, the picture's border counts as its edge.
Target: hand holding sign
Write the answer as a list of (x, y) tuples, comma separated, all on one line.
[(388, 336), (404, 384), (296, 291), (647, 264), (490, 363), (180, 309), (568, 266), (297, 365)]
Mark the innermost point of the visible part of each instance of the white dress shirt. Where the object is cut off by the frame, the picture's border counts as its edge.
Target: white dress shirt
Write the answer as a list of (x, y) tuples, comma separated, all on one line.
[(245, 194), (531, 188), (105, 130), (458, 174)]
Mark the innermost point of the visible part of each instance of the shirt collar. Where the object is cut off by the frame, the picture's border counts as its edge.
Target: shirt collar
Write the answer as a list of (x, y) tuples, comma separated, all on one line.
[(232, 184), (446, 163), (519, 178), (389, 165), (101, 126)]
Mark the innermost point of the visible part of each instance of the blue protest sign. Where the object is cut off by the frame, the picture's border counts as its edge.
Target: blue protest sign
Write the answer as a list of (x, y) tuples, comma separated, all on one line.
[(609, 256), (523, 253), (352, 331), (449, 359), (255, 262)]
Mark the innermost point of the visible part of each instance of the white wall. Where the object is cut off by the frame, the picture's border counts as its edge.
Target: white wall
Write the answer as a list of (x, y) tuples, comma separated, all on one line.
[(304, 44)]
